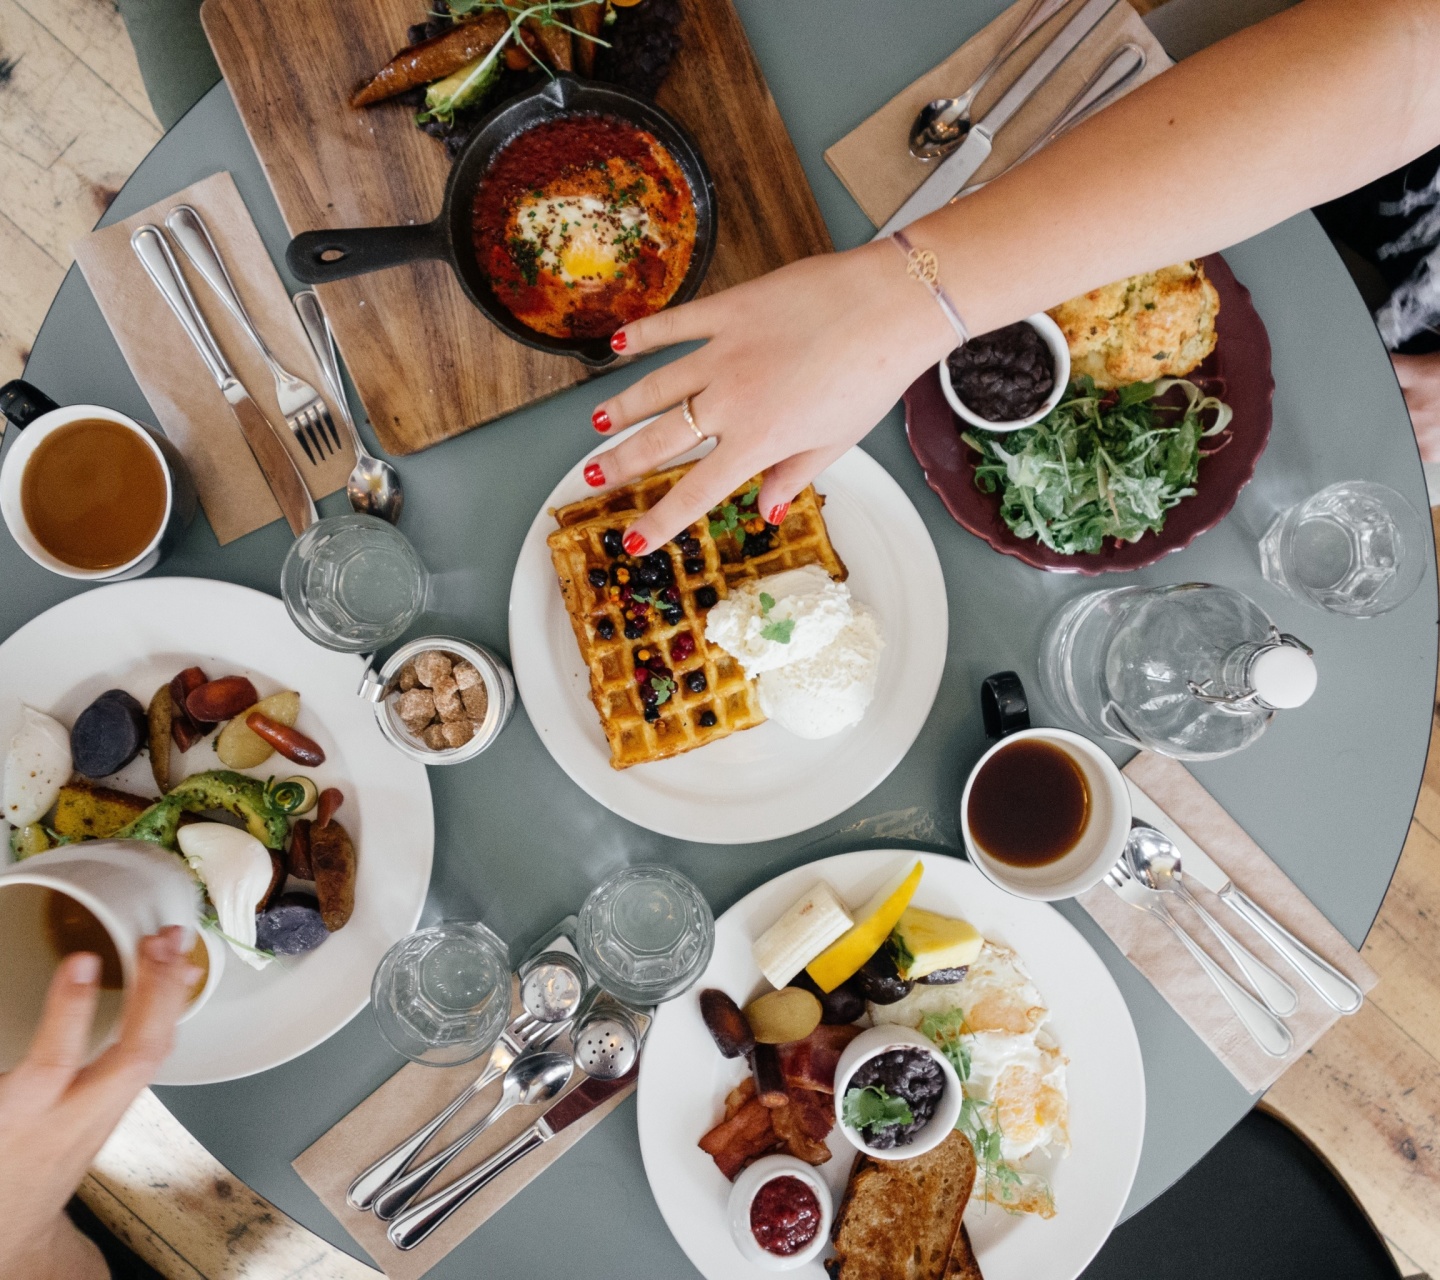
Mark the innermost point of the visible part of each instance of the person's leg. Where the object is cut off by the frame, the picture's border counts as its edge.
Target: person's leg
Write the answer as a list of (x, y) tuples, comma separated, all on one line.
[(174, 56)]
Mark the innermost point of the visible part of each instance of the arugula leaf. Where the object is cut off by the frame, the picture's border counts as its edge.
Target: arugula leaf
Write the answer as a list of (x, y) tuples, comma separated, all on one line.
[(874, 1107), (780, 630), (1100, 464)]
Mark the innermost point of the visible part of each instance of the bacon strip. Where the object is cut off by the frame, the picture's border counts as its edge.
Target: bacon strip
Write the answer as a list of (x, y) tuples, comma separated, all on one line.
[(810, 1063)]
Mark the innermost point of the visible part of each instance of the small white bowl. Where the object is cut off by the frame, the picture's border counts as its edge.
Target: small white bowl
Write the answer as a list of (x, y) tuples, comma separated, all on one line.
[(1101, 844), (872, 1043), (1059, 352), (748, 1184)]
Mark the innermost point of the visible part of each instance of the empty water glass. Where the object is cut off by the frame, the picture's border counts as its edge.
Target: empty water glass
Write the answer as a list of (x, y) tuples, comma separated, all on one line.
[(442, 994), (1355, 548), (646, 934), (353, 583)]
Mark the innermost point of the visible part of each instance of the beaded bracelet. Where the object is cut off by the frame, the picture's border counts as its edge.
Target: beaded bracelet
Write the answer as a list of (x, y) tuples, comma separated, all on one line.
[(924, 266)]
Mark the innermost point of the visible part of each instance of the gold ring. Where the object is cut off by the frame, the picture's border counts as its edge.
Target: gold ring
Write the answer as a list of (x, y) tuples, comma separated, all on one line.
[(689, 415)]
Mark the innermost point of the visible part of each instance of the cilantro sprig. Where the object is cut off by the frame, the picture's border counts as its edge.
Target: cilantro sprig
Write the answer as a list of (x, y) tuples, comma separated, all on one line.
[(874, 1107)]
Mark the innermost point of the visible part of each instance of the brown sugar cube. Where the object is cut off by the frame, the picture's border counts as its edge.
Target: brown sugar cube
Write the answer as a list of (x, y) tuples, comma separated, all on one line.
[(457, 732), (416, 708), (476, 700), (447, 699), (432, 667), (407, 678), (434, 737), (466, 676)]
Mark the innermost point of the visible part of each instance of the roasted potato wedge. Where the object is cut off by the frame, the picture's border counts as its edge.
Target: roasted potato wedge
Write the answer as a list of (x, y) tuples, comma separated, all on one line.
[(239, 747)]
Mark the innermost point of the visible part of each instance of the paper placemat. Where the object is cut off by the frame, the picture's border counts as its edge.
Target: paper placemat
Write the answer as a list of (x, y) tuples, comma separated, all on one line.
[(874, 160), (182, 394), (397, 1109), (1167, 796)]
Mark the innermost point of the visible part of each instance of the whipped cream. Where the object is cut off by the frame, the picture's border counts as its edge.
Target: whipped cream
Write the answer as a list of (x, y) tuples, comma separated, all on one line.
[(788, 617), (820, 696)]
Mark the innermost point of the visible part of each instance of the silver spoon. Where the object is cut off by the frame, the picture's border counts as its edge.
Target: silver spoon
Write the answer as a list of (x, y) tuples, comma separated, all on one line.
[(374, 487), (532, 1078), (1155, 862), (943, 122)]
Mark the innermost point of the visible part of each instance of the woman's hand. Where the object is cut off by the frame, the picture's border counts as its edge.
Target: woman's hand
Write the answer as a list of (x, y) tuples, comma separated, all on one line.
[(1420, 380), (799, 365), (56, 1112)]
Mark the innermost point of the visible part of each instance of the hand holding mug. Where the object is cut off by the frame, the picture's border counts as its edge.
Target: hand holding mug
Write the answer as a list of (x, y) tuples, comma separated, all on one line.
[(56, 1112)]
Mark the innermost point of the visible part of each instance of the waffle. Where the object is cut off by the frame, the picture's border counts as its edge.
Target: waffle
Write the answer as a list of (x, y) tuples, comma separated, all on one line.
[(799, 540), (577, 548)]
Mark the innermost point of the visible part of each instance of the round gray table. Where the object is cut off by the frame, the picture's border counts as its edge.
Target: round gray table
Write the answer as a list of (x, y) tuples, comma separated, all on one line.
[(1328, 791)]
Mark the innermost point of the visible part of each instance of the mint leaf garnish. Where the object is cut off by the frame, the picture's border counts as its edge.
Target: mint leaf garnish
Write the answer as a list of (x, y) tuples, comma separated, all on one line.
[(663, 689), (780, 630), (767, 602)]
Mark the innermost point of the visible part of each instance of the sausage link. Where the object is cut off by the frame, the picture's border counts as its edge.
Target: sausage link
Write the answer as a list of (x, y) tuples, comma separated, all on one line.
[(290, 743)]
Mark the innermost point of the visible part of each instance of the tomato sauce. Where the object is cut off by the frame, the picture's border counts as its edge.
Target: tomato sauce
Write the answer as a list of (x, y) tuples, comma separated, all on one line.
[(583, 224)]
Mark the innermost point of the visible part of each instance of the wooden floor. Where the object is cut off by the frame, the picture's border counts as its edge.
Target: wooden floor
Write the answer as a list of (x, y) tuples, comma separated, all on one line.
[(74, 122)]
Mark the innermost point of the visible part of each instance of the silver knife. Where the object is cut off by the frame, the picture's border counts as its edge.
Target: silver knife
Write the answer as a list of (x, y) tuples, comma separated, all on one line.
[(959, 167), (265, 441), (1329, 983), (414, 1225)]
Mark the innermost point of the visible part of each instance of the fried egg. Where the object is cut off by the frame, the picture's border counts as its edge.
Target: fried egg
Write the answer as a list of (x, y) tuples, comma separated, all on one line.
[(37, 766), (579, 238), (1016, 1079)]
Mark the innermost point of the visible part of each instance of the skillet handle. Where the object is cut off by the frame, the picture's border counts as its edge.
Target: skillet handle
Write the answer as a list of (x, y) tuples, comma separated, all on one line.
[(318, 257)]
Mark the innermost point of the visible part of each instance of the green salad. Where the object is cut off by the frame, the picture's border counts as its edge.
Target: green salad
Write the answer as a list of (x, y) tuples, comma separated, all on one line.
[(1101, 464)]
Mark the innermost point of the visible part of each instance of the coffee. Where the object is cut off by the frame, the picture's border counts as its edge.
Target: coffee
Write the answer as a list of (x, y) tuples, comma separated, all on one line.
[(73, 927), (93, 494), (1029, 804)]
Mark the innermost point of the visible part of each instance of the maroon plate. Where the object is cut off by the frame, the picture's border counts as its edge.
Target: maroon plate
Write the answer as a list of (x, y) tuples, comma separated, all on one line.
[(1238, 371)]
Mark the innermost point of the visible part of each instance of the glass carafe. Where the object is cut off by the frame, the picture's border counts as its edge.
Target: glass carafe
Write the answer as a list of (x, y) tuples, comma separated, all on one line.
[(1193, 670)]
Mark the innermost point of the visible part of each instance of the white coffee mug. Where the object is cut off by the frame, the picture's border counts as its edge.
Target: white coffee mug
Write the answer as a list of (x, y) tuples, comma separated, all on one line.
[(35, 417), (133, 888), (1101, 843)]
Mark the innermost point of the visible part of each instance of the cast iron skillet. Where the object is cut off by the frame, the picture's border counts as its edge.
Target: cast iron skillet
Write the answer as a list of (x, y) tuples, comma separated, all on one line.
[(318, 257)]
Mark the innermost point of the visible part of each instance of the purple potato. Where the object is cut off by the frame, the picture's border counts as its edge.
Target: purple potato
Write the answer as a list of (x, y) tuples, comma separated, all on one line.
[(108, 734), (292, 926)]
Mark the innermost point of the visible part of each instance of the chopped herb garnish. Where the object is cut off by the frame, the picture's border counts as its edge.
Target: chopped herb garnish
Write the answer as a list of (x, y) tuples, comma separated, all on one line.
[(874, 1107)]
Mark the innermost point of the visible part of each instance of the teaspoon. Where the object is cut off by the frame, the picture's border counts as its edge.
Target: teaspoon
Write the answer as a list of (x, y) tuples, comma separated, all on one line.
[(943, 122), (374, 487)]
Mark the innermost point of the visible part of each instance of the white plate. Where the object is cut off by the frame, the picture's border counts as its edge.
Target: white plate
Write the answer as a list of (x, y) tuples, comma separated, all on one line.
[(684, 1080), (136, 636), (764, 783)]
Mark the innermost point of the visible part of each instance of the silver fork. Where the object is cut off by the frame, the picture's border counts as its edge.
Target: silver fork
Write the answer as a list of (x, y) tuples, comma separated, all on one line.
[(1272, 1035), (524, 1032), (306, 413)]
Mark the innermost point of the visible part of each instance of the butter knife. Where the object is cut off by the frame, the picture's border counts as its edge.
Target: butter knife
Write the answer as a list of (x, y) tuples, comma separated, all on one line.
[(415, 1224), (1329, 983), (265, 442), (952, 173)]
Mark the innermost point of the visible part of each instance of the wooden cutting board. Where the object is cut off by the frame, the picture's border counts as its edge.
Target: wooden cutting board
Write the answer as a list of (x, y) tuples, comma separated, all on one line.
[(427, 364)]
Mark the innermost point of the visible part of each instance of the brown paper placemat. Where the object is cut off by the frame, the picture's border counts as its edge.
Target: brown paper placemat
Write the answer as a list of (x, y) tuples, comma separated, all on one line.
[(182, 394), (395, 1110), (1184, 807), (874, 160)]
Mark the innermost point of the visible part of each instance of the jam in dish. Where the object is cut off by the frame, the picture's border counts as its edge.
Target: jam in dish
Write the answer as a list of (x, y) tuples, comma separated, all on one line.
[(583, 224), (784, 1216), (1003, 376)]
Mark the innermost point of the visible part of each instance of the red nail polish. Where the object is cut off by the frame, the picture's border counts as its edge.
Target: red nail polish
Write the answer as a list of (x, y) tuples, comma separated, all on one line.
[(778, 513), (601, 420), (617, 340), (633, 543), (594, 477)]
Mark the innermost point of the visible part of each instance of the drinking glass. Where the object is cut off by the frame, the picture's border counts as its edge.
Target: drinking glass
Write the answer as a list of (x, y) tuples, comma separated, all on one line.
[(442, 995), (353, 583), (646, 934), (1354, 548)]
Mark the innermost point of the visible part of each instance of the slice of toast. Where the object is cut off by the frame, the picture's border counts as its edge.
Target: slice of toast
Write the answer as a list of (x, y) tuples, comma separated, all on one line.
[(900, 1219)]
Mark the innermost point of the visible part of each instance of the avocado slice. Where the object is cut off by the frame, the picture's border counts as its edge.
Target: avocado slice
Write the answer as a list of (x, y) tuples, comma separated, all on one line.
[(217, 789)]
